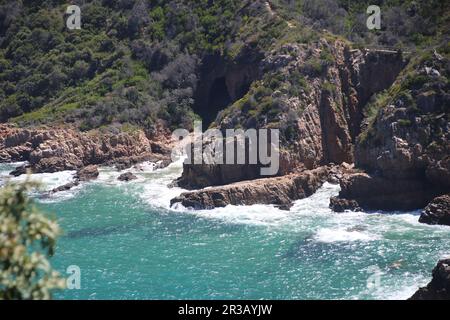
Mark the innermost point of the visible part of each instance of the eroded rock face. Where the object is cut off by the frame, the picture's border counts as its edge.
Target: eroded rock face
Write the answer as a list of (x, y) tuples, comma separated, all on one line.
[(439, 287), (279, 191), (323, 118), (362, 190), (437, 211), (52, 150), (406, 150)]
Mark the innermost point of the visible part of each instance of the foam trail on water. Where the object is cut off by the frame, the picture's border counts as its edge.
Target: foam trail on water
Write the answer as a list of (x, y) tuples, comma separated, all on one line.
[(269, 215), (49, 181), (156, 186), (329, 235)]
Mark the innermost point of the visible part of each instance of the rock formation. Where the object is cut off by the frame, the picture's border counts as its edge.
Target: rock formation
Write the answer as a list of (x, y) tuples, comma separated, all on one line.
[(320, 123), (126, 177), (278, 191), (405, 150), (87, 173), (439, 287), (52, 150), (437, 212)]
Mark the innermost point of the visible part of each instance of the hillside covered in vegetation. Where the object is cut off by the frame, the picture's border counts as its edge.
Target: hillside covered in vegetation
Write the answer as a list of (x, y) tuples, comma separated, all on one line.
[(149, 63)]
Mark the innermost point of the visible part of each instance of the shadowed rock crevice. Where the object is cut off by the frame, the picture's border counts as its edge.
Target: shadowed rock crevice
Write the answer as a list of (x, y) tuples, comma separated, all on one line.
[(218, 99), (222, 82)]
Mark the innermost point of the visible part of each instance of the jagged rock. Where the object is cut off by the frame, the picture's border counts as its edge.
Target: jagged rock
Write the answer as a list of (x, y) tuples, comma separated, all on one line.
[(368, 192), (52, 150), (439, 287), (204, 175), (128, 176), (341, 205), (56, 164), (20, 170), (437, 212), (406, 149), (66, 187), (279, 191), (87, 173)]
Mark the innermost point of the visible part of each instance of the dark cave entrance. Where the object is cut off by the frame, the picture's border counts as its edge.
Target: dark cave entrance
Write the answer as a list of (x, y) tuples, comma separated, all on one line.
[(222, 82), (218, 99)]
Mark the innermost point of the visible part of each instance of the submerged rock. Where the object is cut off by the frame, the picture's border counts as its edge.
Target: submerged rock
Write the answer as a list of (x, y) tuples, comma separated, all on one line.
[(66, 187), (439, 287), (437, 212), (128, 176)]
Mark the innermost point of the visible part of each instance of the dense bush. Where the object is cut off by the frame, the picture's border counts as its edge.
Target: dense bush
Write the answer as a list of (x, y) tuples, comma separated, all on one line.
[(138, 60), (27, 238)]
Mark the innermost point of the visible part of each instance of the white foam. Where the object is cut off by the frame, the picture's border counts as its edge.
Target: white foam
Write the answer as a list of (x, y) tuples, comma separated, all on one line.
[(330, 235), (264, 215), (49, 181), (319, 202), (402, 289), (269, 215), (156, 191)]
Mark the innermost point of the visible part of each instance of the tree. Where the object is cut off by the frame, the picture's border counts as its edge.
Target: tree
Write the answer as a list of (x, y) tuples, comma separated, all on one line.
[(27, 239)]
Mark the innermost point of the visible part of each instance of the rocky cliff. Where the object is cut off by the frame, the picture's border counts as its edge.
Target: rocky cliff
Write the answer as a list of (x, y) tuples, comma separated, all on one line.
[(57, 149), (405, 149), (315, 95)]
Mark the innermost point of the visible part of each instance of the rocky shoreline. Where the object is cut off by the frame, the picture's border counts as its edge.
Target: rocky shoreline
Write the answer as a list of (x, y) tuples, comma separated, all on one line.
[(399, 159), (278, 191), (57, 149), (48, 150)]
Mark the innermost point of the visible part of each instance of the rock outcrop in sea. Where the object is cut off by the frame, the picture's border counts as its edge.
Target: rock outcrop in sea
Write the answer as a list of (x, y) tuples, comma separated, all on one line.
[(439, 287), (437, 211), (278, 191)]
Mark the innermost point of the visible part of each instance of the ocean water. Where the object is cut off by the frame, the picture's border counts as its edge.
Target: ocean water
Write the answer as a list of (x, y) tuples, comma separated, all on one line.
[(129, 244)]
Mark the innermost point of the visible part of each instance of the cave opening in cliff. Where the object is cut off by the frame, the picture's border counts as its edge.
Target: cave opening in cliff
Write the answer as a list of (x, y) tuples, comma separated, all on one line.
[(222, 82), (217, 100)]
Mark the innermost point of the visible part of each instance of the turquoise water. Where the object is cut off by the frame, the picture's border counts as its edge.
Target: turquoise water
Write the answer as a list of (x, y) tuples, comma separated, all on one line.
[(130, 245)]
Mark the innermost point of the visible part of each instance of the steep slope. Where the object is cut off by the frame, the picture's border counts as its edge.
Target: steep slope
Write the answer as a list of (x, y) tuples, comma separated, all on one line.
[(405, 149), (314, 94)]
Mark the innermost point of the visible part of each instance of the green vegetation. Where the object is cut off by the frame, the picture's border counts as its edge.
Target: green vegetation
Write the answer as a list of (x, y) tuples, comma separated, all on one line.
[(139, 61), (404, 122), (413, 82), (27, 238)]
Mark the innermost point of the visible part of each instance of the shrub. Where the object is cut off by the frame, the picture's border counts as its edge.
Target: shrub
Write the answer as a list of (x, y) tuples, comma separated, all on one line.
[(28, 237)]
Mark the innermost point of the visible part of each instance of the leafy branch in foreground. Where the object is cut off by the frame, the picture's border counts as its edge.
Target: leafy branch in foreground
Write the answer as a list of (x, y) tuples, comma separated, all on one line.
[(27, 239)]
